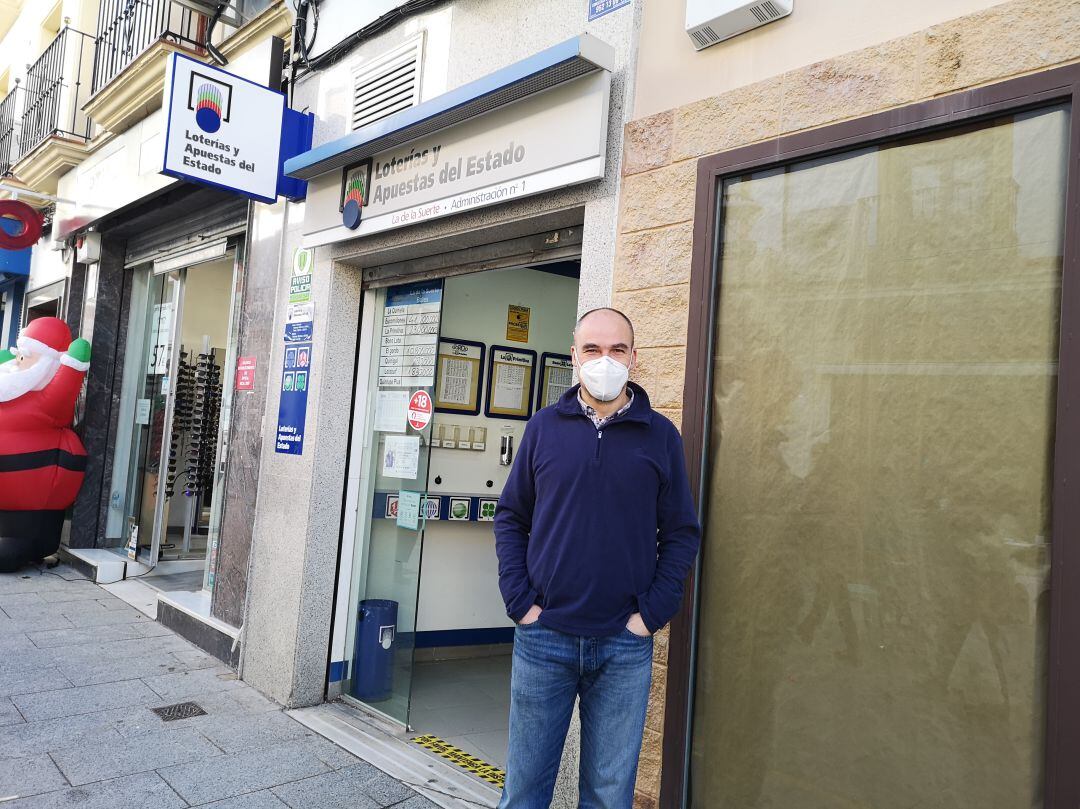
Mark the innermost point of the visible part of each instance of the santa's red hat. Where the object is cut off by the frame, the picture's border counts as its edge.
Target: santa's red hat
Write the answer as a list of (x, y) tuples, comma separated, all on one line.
[(48, 336)]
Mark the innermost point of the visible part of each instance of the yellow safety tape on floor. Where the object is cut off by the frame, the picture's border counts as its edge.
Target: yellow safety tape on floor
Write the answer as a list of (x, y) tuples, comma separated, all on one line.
[(478, 767)]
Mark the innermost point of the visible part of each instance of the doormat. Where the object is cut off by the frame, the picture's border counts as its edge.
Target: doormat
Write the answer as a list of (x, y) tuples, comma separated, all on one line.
[(455, 755)]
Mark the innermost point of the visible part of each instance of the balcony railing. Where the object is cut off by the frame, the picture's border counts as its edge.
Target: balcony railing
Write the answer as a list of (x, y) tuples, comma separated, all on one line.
[(9, 130), (126, 28), (57, 86)]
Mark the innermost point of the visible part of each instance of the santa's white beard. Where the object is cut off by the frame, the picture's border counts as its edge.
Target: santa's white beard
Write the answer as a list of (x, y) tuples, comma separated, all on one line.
[(14, 382)]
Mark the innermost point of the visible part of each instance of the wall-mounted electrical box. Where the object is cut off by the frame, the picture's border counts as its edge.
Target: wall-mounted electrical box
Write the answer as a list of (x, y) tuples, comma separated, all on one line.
[(88, 248), (712, 21)]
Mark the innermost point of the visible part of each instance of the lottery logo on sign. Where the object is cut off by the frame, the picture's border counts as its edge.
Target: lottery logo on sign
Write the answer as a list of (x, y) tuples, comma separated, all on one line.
[(419, 410)]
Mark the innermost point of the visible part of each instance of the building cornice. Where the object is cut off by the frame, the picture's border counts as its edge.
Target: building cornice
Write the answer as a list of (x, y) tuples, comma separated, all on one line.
[(139, 88), (135, 92), (41, 167)]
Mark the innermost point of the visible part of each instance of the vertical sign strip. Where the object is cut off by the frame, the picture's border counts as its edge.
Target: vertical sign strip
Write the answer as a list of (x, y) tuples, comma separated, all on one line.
[(292, 407)]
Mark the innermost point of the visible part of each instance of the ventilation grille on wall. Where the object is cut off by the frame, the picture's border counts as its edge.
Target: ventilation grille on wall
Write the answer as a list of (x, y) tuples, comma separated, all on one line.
[(712, 21), (704, 36), (388, 84), (765, 12)]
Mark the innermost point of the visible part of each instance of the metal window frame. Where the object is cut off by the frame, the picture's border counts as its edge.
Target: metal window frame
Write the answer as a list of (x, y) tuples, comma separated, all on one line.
[(938, 117)]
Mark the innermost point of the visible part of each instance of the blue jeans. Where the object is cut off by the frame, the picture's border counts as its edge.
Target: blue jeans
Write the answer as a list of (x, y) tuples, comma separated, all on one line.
[(612, 677)]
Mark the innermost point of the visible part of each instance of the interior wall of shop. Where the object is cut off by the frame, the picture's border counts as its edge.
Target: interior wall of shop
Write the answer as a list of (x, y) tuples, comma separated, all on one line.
[(711, 109), (459, 570), (207, 297)]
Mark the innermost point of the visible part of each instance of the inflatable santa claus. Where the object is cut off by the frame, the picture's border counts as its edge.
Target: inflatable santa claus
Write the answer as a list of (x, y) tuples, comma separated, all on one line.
[(42, 461)]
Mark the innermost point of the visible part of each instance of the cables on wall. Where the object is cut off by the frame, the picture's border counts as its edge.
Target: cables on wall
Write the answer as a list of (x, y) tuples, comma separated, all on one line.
[(307, 30)]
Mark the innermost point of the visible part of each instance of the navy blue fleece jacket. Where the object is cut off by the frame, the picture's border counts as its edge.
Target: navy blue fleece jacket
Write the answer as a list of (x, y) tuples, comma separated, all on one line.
[(594, 525)]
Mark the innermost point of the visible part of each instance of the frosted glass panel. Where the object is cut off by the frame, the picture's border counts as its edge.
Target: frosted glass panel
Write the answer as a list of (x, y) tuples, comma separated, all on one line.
[(874, 603)]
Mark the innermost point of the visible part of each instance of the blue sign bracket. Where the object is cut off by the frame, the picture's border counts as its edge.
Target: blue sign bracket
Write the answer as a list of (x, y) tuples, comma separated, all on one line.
[(297, 130)]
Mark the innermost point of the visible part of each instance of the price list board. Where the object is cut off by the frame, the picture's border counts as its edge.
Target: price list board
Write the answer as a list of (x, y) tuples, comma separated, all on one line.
[(410, 335)]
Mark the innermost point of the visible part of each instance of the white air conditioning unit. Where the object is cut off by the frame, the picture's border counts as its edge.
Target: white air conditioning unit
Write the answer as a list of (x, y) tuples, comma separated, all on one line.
[(712, 21), (229, 15)]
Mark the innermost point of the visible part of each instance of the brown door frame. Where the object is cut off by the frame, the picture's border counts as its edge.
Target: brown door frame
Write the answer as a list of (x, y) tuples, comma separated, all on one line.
[(1049, 87)]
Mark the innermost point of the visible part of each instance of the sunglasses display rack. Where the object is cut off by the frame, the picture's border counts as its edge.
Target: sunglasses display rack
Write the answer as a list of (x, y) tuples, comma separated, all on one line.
[(193, 443)]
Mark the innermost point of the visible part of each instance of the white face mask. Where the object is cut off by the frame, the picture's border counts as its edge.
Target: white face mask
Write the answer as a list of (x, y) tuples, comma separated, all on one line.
[(604, 378)]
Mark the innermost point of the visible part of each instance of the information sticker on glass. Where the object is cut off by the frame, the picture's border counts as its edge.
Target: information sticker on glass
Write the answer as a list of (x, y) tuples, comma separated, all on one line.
[(391, 407), (401, 456), (410, 335), (510, 380), (408, 510), (556, 377), (460, 378)]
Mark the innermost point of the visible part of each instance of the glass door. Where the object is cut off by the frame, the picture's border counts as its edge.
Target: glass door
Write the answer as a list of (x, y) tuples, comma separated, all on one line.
[(394, 502), (166, 487), (154, 371)]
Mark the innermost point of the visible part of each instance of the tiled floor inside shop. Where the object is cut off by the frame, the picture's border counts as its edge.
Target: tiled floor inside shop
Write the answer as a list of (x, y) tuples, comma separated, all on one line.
[(466, 703)]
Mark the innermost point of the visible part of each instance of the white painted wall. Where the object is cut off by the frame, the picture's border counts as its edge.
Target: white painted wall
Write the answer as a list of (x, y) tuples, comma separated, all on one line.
[(671, 73)]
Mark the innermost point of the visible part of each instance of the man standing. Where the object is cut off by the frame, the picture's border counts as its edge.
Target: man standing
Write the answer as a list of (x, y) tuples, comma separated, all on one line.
[(595, 533)]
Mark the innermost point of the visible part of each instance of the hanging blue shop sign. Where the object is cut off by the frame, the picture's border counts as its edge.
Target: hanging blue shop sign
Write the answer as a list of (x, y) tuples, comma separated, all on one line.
[(292, 406), (598, 8), (231, 133)]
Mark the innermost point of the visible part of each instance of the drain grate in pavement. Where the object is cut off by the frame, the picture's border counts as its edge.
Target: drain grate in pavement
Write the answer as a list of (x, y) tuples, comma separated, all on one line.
[(181, 710)]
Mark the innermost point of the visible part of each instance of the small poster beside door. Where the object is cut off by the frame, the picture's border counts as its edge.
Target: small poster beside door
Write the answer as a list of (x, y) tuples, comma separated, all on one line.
[(292, 406)]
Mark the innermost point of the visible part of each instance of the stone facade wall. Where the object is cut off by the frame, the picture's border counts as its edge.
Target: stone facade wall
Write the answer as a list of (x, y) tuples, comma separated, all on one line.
[(654, 242)]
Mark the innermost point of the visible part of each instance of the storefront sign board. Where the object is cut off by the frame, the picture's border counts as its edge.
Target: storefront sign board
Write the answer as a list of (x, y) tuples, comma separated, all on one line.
[(546, 141), (221, 129)]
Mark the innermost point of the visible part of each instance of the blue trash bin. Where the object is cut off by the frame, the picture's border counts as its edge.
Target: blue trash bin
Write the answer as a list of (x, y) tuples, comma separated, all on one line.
[(373, 658)]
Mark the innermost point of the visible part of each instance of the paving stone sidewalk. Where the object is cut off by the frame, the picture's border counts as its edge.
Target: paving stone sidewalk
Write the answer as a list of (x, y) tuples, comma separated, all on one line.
[(80, 671)]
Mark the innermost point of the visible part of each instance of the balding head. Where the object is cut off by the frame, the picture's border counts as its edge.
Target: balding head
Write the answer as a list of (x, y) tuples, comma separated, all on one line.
[(604, 332), (612, 317)]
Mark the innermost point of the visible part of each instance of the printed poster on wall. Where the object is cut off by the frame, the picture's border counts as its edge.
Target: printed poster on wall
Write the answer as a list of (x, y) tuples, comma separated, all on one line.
[(292, 406)]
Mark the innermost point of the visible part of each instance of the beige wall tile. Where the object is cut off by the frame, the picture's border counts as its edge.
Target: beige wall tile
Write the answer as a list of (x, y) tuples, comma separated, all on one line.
[(647, 143), (1005, 40), (643, 801), (851, 85), (742, 116), (654, 718), (659, 315), (659, 197), (654, 258), (648, 778), (660, 371)]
